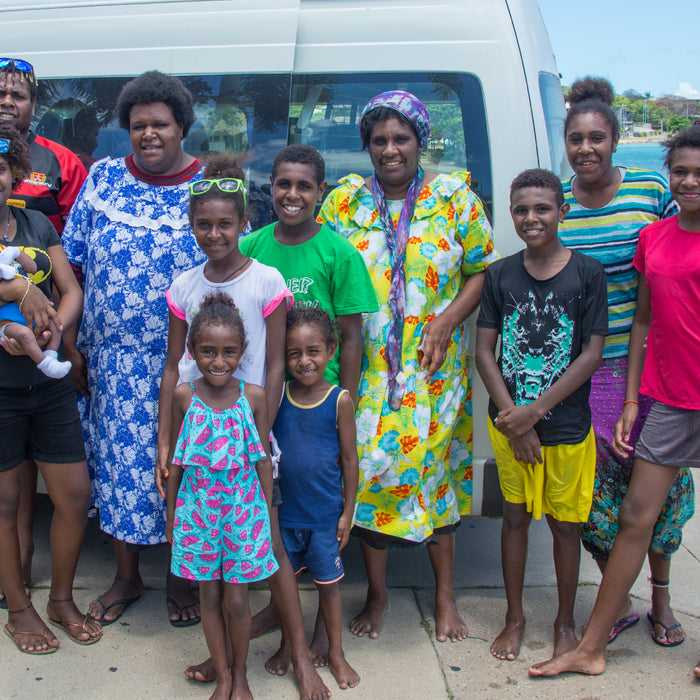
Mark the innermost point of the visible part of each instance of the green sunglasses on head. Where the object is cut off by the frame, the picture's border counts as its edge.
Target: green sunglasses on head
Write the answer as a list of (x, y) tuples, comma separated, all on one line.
[(225, 184)]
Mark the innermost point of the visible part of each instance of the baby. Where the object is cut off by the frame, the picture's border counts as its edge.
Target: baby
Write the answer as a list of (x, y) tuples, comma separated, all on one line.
[(13, 261)]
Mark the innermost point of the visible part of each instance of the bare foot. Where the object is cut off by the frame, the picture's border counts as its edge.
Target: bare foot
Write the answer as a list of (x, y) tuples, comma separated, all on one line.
[(564, 637), (223, 689), (80, 627), (696, 670), (278, 663), (264, 621), (122, 589), (311, 687), (370, 620), (29, 632), (202, 673), (344, 673), (572, 661), (319, 647), (448, 623), (507, 645)]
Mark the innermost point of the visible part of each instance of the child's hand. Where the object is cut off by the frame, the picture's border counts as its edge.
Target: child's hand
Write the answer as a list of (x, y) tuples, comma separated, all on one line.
[(621, 439), (162, 472), (169, 529), (343, 534), (527, 448), (516, 420)]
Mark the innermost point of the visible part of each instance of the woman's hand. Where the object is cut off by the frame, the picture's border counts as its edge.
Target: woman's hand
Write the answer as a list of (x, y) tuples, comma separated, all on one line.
[(516, 420), (623, 428), (527, 448), (434, 343), (38, 310)]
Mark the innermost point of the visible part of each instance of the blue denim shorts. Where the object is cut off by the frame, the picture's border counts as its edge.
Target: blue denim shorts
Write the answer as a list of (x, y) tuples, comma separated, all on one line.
[(315, 550)]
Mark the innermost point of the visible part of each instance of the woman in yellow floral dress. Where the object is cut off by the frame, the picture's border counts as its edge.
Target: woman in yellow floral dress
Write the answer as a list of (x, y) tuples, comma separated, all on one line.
[(426, 242)]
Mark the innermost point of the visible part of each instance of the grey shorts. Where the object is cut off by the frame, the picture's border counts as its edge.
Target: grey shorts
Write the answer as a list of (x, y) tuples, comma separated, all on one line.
[(670, 437)]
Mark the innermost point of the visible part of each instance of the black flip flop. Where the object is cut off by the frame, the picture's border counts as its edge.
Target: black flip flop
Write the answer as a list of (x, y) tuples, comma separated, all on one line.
[(126, 602), (180, 622)]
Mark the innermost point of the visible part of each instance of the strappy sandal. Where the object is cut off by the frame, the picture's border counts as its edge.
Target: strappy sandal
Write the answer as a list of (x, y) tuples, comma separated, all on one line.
[(12, 634), (68, 626)]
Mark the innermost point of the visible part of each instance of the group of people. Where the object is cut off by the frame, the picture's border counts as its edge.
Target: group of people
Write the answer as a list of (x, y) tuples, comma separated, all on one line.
[(211, 363)]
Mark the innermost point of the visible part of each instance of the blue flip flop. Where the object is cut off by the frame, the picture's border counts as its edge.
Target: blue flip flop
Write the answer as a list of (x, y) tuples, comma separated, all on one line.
[(655, 639)]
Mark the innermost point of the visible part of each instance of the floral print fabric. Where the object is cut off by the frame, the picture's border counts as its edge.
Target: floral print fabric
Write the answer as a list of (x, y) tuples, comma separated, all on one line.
[(415, 463), (131, 240)]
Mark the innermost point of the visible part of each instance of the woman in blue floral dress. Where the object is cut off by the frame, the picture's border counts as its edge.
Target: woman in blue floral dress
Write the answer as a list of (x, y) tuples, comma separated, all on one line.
[(129, 236)]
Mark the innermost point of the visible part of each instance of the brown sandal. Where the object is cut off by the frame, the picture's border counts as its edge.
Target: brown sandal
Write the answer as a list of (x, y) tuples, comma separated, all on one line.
[(67, 626), (11, 634)]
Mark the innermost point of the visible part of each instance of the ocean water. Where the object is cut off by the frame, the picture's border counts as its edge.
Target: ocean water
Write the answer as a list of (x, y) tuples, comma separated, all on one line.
[(641, 155)]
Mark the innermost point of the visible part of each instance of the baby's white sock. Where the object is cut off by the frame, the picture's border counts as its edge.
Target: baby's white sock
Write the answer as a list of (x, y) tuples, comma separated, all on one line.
[(51, 366)]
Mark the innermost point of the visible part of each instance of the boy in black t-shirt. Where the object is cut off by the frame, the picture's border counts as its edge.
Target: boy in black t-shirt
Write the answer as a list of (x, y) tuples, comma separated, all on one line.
[(549, 305)]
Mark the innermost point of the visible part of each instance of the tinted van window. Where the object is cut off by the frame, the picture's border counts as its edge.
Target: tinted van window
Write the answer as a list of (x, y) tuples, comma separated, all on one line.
[(325, 113), (244, 114), (554, 115)]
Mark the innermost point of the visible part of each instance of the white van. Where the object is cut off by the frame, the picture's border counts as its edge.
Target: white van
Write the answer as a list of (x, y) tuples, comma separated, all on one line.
[(265, 73)]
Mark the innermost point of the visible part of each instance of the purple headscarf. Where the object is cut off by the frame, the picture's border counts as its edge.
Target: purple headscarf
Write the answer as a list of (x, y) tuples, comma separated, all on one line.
[(414, 110), (406, 104)]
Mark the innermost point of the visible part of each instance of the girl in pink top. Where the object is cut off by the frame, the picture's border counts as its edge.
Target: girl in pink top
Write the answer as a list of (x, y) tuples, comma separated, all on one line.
[(667, 321)]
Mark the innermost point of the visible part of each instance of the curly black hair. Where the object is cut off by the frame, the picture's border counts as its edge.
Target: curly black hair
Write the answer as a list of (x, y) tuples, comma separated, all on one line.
[(220, 166), (592, 95), (18, 157), (216, 309), (688, 138), (301, 153), (380, 114), (301, 315), (537, 177), (154, 86)]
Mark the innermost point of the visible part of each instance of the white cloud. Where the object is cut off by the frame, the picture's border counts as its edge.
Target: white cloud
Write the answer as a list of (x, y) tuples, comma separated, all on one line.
[(688, 91)]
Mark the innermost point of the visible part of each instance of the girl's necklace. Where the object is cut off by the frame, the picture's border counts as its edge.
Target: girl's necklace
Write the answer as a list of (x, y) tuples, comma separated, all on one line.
[(7, 227), (231, 274)]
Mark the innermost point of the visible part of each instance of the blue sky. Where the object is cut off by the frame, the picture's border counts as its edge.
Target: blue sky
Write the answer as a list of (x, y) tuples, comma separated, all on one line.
[(644, 45)]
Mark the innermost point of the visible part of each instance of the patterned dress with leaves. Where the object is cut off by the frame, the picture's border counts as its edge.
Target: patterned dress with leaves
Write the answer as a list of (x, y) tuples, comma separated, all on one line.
[(415, 463)]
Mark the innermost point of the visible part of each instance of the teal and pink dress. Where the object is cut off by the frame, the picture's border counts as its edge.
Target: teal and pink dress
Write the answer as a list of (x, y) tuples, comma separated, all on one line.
[(221, 528)]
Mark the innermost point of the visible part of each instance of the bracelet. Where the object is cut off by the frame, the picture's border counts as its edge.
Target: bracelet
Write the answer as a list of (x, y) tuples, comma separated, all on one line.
[(636, 403), (24, 296)]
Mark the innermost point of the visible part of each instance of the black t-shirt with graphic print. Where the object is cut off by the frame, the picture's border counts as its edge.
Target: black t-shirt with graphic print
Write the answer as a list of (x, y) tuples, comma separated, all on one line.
[(543, 324)]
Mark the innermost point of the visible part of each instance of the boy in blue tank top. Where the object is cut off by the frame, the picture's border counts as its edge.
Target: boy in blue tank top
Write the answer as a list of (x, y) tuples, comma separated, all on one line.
[(315, 429)]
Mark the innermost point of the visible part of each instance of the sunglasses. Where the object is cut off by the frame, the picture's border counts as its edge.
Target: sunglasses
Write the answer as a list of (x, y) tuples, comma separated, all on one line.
[(18, 64), (4, 146), (225, 184)]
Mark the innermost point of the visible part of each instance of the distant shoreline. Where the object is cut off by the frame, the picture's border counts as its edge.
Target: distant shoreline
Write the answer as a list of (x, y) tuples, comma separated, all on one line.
[(644, 139)]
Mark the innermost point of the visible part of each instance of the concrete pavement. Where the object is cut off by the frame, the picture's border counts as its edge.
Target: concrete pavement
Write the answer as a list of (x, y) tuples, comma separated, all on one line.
[(142, 656)]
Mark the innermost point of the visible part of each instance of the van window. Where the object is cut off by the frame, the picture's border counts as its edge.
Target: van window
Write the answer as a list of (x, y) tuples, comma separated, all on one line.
[(325, 113), (554, 116), (234, 113)]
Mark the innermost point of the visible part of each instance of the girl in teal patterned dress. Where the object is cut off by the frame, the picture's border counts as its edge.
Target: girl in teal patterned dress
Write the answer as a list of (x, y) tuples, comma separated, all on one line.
[(217, 514)]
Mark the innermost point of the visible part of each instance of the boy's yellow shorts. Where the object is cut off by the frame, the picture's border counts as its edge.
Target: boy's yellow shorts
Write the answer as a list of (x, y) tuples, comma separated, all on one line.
[(562, 486)]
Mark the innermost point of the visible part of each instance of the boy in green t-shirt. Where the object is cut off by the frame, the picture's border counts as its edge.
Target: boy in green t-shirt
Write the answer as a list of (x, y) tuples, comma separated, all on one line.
[(321, 268)]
